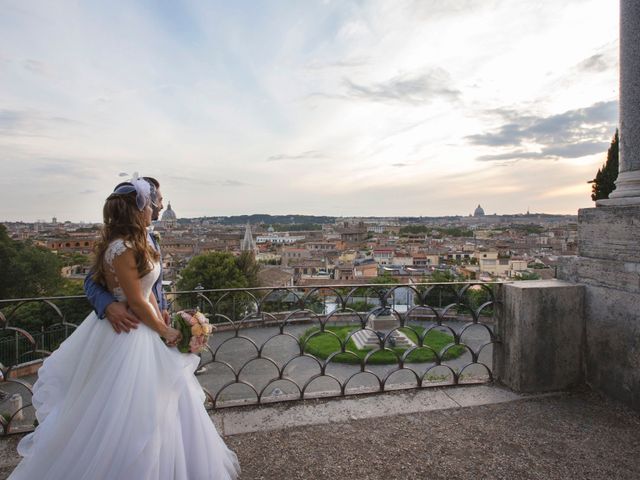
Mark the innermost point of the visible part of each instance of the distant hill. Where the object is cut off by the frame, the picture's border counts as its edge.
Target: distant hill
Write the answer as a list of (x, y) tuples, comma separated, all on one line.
[(266, 219), (312, 222)]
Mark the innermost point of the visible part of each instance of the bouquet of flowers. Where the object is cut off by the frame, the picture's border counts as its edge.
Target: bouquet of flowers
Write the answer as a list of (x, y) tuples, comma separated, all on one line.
[(195, 329)]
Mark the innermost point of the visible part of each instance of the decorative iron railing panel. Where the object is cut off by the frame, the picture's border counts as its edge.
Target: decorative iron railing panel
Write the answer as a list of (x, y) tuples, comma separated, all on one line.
[(287, 343)]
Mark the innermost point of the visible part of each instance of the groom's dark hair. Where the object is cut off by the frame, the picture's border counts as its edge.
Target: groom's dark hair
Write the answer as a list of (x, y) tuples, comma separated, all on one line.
[(152, 181)]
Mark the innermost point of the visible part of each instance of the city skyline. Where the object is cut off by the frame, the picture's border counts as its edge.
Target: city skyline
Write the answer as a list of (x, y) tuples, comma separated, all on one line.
[(298, 219), (324, 108)]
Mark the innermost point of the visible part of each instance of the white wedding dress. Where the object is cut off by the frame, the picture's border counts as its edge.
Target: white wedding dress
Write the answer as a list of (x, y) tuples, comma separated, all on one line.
[(121, 407)]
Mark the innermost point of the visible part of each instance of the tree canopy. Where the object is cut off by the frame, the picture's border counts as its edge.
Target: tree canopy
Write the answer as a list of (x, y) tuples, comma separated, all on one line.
[(220, 270), (26, 270), (296, 227), (605, 181), (436, 231)]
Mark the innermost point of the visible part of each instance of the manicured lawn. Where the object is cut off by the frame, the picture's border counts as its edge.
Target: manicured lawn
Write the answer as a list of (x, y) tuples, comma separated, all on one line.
[(324, 344)]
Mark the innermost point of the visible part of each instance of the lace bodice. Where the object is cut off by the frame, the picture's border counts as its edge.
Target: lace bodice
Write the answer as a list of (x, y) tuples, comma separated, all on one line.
[(118, 247)]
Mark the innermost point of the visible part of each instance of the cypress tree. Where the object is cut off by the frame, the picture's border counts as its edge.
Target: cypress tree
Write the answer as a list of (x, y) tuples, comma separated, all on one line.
[(605, 181)]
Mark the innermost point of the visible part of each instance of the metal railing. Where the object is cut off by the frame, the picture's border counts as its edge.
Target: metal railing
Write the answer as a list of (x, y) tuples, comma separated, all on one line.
[(287, 343)]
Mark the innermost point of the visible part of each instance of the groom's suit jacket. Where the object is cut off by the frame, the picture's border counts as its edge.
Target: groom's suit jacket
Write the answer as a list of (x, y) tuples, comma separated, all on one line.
[(100, 298)]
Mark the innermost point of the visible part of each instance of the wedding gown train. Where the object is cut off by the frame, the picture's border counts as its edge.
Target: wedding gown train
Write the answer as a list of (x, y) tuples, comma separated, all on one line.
[(121, 406)]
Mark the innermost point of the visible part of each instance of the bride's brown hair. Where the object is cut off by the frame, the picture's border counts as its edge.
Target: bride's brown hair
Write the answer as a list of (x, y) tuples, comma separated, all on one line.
[(122, 219)]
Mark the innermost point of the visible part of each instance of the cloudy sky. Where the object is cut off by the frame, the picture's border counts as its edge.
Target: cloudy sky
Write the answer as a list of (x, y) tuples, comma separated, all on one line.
[(336, 107)]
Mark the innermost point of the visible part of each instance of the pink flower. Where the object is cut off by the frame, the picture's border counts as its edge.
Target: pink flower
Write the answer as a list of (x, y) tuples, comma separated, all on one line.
[(196, 344), (187, 318), (199, 316)]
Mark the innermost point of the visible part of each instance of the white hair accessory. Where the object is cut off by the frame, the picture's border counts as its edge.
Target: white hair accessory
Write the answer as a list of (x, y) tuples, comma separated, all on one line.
[(140, 186), (143, 191)]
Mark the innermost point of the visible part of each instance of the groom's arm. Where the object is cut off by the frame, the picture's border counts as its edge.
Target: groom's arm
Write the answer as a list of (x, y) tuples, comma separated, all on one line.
[(99, 297), (163, 304), (105, 305)]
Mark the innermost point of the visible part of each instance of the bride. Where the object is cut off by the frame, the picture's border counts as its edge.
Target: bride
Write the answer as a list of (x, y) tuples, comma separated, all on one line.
[(124, 407)]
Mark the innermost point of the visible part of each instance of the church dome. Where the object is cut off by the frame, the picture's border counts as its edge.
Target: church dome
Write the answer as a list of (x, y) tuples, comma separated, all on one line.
[(169, 215), (478, 212)]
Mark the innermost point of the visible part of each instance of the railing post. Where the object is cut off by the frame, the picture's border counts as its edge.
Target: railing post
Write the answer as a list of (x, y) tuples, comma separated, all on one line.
[(542, 339), (199, 288)]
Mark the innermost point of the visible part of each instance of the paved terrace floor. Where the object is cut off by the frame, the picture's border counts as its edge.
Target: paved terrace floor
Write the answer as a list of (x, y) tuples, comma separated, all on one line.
[(476, 432)]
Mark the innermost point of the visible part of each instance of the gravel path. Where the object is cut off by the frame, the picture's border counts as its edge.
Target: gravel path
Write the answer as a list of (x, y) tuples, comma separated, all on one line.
[(570, 436), (578, 436)]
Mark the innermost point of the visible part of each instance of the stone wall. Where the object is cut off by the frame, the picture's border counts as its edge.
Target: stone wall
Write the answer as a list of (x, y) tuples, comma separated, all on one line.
[(610, 233), (609, 266)]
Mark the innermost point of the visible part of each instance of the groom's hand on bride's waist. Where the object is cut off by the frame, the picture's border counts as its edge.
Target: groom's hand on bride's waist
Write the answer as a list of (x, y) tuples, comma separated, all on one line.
[(121, 318)]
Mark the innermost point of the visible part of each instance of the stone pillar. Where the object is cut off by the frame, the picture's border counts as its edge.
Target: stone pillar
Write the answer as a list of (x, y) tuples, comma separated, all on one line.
[(608, 261), (627, 190), (608, 265), (541, 330)]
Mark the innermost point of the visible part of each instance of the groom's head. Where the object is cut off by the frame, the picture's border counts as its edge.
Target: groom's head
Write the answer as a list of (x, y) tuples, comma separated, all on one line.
[(156, 197)]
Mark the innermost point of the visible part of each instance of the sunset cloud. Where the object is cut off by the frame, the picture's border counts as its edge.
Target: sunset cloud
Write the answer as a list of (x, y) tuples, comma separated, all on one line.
[(410, 107)]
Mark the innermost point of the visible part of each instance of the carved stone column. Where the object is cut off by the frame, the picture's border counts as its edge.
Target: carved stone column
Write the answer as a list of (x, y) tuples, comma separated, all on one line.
[(627, 190), (608, 261)]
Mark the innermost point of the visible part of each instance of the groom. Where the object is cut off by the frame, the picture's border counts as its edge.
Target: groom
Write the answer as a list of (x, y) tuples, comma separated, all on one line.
[(122, 319)]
